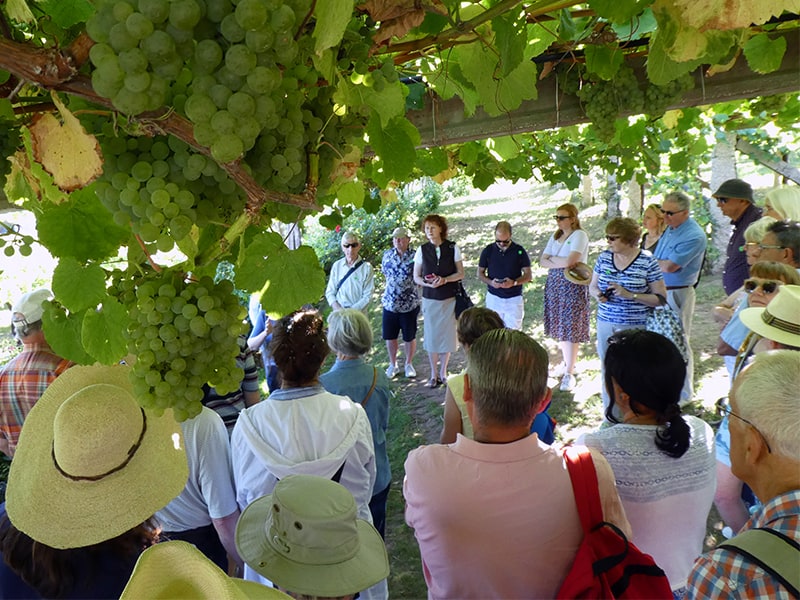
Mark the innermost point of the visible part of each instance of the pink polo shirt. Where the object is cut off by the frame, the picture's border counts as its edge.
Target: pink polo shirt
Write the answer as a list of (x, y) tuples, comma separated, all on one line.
[(497, 520)]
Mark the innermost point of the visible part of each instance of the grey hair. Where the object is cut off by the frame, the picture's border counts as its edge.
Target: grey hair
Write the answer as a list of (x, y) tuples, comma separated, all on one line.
[(507, 375), (349, 332), (766, 395), (785, 201), (758, 229), (350, 236), (678, 197)]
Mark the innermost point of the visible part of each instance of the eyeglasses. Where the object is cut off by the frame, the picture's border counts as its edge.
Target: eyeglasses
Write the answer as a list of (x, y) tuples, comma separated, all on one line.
[(727, 410), (503, 242), (561, 217), (353, 245), (770, 247), (722, 200), (612, 238), (768, 286), (672, 213), (748, 247)]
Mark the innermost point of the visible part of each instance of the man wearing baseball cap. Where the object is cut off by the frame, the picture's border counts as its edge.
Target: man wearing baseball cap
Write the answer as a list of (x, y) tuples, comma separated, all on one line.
[(25, 377), (735, 200)]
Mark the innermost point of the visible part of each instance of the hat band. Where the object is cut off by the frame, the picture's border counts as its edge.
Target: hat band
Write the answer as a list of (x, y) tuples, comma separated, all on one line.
[(781, 324), (119, 467)]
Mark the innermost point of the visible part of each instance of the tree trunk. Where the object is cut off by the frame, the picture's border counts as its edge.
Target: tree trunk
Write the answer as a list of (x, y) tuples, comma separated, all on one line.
[(635, 200), (723, 167), (611, 195)]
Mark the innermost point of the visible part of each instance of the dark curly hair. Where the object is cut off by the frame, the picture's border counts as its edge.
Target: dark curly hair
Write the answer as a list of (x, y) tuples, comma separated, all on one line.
[(299, 346)]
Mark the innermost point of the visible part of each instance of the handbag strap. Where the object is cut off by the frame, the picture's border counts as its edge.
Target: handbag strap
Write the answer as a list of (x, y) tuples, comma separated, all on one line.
[(374, 381), (346, 275), (583, 476)]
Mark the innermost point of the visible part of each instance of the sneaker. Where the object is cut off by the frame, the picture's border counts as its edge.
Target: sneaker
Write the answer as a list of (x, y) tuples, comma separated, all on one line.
[(567, 383), (411, 371), (391, 371)]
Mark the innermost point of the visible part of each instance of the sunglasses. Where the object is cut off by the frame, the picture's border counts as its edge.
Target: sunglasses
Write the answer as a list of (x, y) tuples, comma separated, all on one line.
[(353, 245), (672, 213), (768, 286), (727, 410), (503, 242), (722, 200), (612, 238), (561, 217)]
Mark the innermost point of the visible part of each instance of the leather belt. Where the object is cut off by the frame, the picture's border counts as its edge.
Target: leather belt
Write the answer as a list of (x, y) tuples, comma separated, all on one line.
[(678, 287)]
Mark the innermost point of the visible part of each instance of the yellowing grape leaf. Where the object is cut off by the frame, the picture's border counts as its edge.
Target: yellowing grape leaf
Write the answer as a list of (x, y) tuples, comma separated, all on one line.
[(72, 156), (19, 11), (726, 14)]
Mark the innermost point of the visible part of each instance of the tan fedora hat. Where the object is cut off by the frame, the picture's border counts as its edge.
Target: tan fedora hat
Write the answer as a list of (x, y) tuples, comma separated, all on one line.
[(91, 463), (178, 569), (580, 274), (779, 321)]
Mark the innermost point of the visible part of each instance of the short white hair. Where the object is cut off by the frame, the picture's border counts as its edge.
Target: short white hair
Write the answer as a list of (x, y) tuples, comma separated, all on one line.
[(766, 395), (349, 236), (349, 332)]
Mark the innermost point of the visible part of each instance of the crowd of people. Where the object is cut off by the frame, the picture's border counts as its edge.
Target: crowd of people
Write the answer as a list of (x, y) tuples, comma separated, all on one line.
[(287, 497)]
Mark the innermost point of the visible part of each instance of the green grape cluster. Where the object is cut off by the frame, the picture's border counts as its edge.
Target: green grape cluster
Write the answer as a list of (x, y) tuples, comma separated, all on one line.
[(161, 188), (183, 335), (604, 101), (657, 98)]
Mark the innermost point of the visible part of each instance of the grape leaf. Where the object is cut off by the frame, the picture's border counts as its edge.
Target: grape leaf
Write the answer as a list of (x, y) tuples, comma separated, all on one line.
[(63, 333), (505, 148), (661, 69), (637, 26), (396, 145), (517, 86), (388, 103), (6, 109), (619, 12), (40, 180), (332, 19), (510, 42), (250, 270), (763, 54), (81, 228), (294, 280), (101, 333), (432, 161), (725, 15), (604, 61), (18, 10), (72, 156), (351, 192), (78, 286), (325, 63), (66, 13)]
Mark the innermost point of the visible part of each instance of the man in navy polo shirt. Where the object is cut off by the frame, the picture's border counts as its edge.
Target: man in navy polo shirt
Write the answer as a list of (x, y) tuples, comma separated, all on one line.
[(735, 200), (504, 266)]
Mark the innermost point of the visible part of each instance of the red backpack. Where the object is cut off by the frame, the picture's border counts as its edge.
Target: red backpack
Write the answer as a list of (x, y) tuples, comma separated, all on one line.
[(606, 565)]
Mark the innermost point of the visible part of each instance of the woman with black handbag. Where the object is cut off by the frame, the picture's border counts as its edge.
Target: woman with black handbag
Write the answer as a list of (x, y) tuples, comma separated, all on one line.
[(438, 269)]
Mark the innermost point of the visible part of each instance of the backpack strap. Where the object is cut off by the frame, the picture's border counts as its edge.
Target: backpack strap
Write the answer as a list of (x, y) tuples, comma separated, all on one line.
[(584, 486), (369, 393), (352, 270), (773, 551)]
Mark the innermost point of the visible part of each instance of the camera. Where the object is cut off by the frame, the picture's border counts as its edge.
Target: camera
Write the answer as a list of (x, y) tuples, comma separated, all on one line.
[(608, 293)]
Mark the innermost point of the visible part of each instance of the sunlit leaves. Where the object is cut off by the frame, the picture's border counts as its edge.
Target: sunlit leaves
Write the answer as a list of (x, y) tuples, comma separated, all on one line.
[(618, 11), (395, 145), (332, 19), (604, 61), (78, 286), (66, 13), (763, 54)]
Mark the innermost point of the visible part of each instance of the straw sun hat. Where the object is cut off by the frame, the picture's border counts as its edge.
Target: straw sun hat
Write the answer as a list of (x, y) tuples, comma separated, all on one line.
[(779, 321), (90, 463), (178, 569), (305, 537), (580, 274)]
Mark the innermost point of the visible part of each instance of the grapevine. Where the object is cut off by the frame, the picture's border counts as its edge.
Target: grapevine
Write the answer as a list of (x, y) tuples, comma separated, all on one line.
[(604, 101)]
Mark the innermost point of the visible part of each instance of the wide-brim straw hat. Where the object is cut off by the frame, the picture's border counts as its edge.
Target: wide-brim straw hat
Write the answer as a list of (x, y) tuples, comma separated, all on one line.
[(306, 538), (91, 463), (580, 274), (178, 569), (779, 321)]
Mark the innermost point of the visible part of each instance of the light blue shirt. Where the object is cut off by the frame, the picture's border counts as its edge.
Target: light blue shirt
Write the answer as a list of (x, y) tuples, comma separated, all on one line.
[(684, 245), (353, 378)]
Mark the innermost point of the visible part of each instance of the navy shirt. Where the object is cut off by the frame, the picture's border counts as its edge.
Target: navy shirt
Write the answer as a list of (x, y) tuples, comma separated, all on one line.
[(500, 264), (736, 267)]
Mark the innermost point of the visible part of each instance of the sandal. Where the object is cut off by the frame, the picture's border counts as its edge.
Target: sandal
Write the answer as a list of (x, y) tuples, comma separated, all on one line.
[(432, 383)]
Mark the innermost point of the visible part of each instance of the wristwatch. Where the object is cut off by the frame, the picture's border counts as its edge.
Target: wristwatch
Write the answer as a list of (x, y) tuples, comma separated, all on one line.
[(635, 296)]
